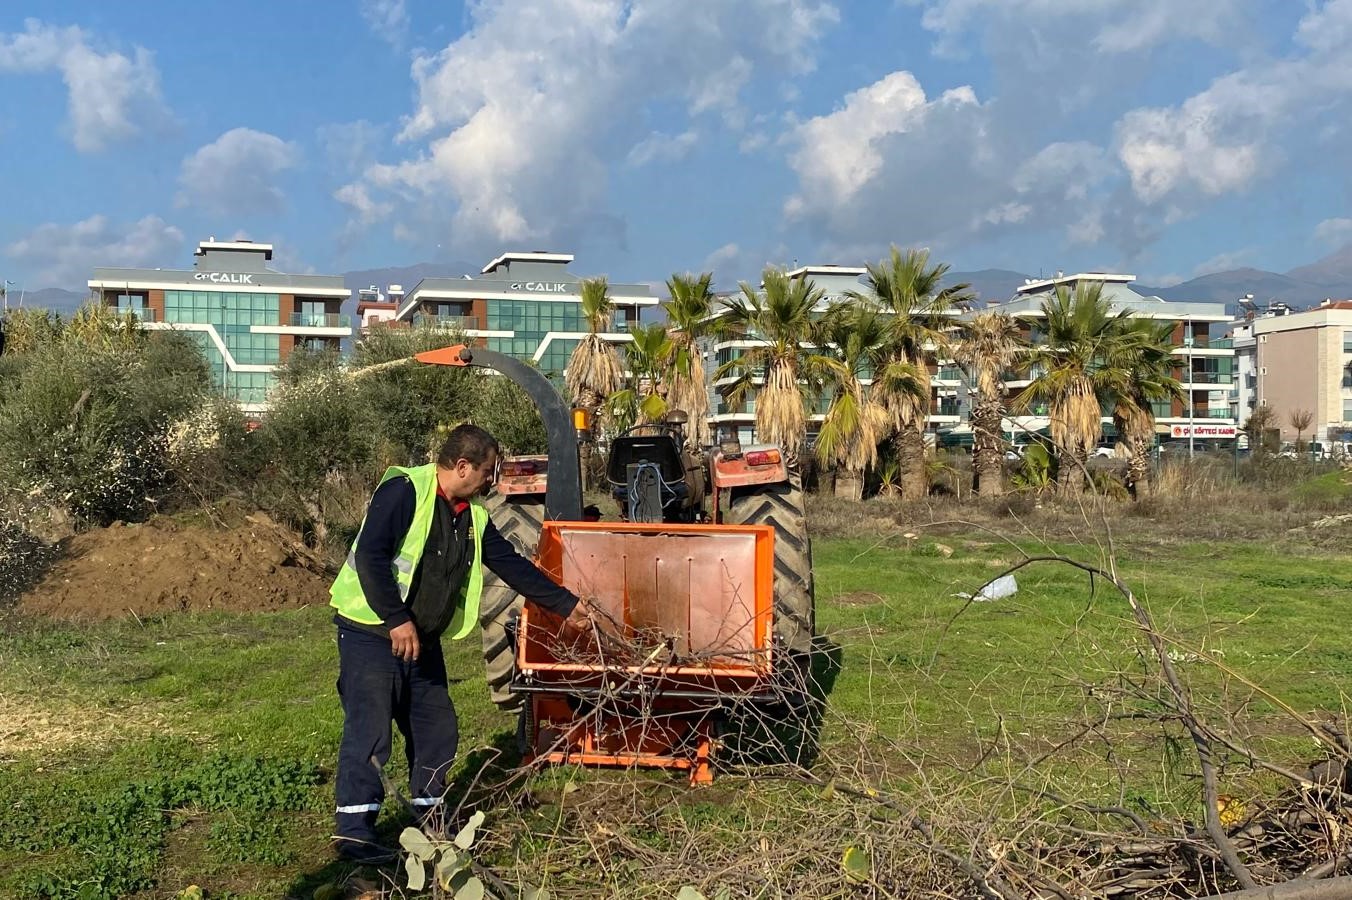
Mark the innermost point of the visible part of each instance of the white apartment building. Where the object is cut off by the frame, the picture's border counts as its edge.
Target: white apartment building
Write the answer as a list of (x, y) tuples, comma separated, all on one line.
[(1205, 358)]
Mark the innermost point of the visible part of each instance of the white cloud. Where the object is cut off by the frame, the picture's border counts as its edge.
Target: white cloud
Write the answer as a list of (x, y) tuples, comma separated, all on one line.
[(1335, 232), (112, 97), (349, 147), (518, 120), (387, 18), (891, 165), (367, 210), (1224, 262), (723, 255), (64, 255), (1109, 25), (663, 148), (237, 173), (1242, 126)]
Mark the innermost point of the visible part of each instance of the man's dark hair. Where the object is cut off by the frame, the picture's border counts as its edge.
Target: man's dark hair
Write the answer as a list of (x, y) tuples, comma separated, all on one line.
[(467, 442)]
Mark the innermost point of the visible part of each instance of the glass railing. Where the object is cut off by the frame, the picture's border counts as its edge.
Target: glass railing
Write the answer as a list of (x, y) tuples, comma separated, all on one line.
[(319, 320), (1208, 378), (947, 409), (457, 323), (949, 373), (141, 314)]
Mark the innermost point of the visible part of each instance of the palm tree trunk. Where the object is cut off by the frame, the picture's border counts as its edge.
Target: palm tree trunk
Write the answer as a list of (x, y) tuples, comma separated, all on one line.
[(910, 447), (590, 401), (849, 483), (1139, 435), (1071, 463), (987, 455)]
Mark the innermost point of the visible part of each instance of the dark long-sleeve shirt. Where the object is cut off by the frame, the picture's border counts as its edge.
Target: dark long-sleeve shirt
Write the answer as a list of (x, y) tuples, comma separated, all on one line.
[(387, 521)]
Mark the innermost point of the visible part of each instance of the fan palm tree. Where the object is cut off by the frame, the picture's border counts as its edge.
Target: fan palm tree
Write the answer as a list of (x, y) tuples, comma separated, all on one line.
[(1082, 341), (1145, 367), (906, 289), (989, 345), (781, 316), (855, 421), (644, 398), (689, 319), (594, 371)]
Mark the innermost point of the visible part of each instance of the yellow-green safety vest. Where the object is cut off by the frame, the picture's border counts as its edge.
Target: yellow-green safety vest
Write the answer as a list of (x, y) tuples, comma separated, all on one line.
[(346, 594)]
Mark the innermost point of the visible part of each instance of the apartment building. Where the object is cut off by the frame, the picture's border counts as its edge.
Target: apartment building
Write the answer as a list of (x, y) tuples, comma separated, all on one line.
[(375, 306), (527, 305), (837, 283), (1204, 356), (246, 316), (1304, 362)]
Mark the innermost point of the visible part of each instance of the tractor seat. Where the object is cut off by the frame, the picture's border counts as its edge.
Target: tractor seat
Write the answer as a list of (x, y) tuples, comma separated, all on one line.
[(660, 449)]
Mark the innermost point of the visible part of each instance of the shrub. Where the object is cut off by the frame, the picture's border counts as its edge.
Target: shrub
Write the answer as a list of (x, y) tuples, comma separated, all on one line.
[(84, 429)]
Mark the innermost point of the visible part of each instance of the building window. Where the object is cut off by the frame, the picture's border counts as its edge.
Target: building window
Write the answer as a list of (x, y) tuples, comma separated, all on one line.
[(1347, 410), (1347, 341), (312, 313)]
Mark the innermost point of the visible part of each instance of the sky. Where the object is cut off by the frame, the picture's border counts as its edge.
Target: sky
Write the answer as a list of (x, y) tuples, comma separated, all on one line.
[(1166, 138)]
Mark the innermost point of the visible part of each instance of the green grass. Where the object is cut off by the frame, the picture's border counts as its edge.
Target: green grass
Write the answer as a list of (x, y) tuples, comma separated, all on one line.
[(227, 786), (1325, 491)]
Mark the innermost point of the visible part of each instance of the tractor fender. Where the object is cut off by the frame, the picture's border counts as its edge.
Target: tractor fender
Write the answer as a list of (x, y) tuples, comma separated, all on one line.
[(758, 464)]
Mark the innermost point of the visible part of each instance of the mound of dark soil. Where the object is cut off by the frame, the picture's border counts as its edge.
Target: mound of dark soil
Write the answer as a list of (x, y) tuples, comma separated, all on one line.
[(167, 566)]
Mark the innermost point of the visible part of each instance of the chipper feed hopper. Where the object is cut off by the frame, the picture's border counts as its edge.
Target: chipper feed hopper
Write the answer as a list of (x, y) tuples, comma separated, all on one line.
[(701, 612)]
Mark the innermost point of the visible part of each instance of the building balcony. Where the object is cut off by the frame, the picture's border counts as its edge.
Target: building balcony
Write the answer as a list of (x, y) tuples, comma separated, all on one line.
[(314, 324), (319, 320), (447, 323), (1225, 379), (141, 314)]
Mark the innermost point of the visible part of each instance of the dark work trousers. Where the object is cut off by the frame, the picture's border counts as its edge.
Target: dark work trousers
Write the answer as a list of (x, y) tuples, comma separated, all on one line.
[(376, 688)]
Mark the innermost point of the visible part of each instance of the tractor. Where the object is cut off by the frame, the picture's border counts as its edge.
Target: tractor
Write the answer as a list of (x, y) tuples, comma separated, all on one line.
[(711, 550)]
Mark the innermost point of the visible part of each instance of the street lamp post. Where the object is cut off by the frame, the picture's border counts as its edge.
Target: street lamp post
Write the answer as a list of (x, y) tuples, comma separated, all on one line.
[(1187, 343)]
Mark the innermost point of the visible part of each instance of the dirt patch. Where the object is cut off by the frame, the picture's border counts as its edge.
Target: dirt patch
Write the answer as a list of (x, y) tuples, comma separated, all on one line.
[(29, 723), (166, 566)]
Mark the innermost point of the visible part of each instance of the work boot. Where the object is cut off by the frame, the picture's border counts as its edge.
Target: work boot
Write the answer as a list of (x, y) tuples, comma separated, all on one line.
[(365, 852)]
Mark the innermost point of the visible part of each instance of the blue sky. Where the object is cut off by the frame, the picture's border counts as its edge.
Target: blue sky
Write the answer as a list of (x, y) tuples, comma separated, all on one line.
[(1162, 137)]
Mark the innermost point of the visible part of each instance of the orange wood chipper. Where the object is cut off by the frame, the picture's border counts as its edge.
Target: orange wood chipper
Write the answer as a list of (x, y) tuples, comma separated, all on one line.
[(703, 611)]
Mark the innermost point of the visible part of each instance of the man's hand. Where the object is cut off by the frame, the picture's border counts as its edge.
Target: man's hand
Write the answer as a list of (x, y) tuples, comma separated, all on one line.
[(404, 640), (585, 616)]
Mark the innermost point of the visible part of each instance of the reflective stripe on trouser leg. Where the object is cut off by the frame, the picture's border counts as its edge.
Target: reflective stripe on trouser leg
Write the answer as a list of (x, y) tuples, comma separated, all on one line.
[(367, 680)]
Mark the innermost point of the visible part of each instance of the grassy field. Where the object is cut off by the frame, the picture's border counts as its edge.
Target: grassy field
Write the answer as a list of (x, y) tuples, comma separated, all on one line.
[(137, 758)]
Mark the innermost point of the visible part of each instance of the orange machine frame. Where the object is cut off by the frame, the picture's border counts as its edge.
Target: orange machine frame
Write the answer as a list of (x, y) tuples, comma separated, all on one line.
[(699, 606)]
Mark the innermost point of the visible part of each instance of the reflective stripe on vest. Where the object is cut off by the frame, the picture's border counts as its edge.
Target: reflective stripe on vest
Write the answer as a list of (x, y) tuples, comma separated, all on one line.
[(346, 595)]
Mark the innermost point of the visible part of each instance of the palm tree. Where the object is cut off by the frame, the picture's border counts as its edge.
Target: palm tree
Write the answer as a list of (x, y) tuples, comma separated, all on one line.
[(905, 288), (855, 421), (689, 318), (1145, 367), (594, 371), (643, 400), (989, 345), (781, 316), (1082, 337)]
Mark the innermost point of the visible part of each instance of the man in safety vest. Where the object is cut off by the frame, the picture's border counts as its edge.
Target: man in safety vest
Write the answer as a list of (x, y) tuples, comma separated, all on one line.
[(415, 571)]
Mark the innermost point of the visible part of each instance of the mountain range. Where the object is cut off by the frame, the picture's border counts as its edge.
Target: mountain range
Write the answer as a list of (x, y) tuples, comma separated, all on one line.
[(1302, 286), (1330, 277)]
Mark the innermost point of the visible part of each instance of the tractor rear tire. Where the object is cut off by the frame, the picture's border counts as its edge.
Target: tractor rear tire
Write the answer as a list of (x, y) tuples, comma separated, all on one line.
[(519, 521), (782, 505)]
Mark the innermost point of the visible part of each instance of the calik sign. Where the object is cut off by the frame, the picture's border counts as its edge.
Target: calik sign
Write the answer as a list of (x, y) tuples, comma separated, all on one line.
[(224, 277), (541, 287)]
